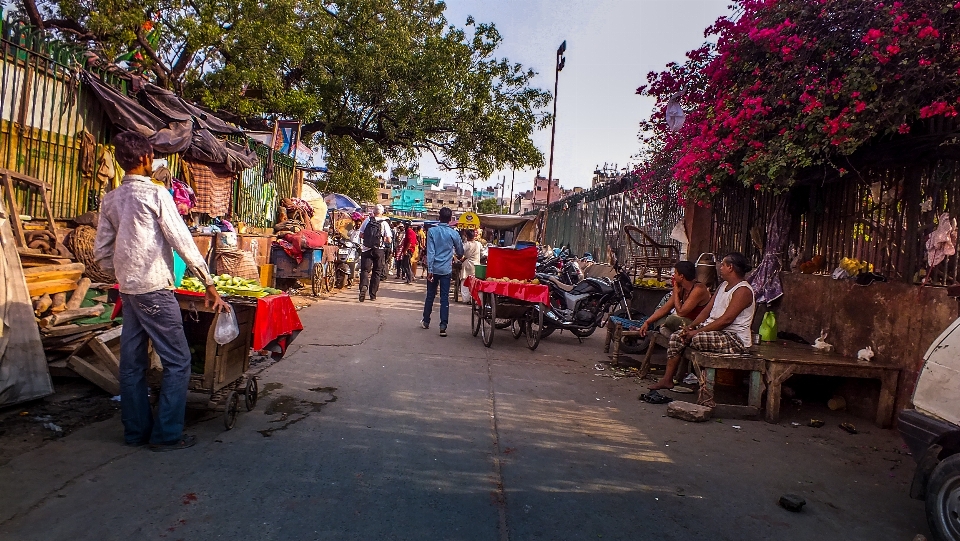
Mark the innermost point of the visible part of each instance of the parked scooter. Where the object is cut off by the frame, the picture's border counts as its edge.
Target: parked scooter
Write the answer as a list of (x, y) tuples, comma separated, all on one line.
[(581, 308), (347, 257)]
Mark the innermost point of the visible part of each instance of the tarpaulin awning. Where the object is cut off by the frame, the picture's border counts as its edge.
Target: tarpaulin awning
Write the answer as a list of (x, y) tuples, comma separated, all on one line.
[(503, 221), (173, 125)]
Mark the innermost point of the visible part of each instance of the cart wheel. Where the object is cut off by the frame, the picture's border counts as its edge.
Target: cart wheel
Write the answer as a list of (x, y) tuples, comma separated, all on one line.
[(329, 278), (475, 317), (317, 279), (231, 410), (489, 314), (534, 327), (517, 328), (251, 393)]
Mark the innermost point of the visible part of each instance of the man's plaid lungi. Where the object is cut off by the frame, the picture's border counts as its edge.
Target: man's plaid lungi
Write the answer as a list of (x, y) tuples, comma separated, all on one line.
[(710, 341)]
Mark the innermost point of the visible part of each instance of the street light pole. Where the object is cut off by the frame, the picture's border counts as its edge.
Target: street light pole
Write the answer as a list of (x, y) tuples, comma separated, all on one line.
[(514, 178), (561, 61)]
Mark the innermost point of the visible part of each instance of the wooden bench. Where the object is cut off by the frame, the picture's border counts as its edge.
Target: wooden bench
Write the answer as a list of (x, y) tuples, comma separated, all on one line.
[(785, 360), (771, 364)]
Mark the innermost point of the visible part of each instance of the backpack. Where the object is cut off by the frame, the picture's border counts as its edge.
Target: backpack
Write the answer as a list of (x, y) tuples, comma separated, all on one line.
[(373, 234)]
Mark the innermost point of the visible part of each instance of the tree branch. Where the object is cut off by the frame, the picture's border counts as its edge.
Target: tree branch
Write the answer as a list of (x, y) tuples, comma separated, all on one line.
[(159, 68), (30, 6)]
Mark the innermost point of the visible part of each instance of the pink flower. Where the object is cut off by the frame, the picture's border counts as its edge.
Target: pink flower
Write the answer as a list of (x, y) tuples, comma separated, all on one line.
[(842, 171), (873, 35), (937, 108), (757, 186), (893, 49), (925, 62), (854, 94), (713, 189), (860, 106), (928, 32), (903, 129)]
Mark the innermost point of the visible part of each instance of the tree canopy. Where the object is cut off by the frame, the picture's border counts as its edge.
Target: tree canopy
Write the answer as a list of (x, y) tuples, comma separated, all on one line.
[(791, 86), (489, 206), (373, 80)]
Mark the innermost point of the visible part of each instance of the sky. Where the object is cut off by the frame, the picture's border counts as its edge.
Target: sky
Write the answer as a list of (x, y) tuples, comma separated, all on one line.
[(611, 46)]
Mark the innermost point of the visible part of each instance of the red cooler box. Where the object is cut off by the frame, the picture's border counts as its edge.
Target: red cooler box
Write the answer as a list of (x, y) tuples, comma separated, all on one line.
[(510, 263)]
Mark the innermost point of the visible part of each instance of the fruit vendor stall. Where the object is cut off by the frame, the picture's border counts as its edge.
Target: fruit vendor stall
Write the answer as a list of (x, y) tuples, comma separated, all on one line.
[(508, 297), (266, 320)]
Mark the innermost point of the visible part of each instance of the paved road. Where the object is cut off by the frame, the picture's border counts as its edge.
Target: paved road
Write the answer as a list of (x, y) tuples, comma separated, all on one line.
[(372, 428)]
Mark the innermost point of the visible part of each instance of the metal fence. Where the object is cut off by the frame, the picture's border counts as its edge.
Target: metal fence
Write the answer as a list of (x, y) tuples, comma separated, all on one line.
[(593, 221), (45, 111), (881, 216)]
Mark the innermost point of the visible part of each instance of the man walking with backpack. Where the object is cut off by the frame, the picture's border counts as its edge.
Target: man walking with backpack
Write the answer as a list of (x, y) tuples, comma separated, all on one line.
[(374, 233), (443, 242)]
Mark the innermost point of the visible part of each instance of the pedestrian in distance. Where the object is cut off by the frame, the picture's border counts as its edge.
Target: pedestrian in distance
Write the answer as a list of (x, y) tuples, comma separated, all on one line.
[(140, 228), (409, 251), (374, 233), (443, 243)]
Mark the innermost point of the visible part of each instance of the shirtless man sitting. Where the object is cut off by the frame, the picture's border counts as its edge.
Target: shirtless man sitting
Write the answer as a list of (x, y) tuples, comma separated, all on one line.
[(689, 298), (724, 324)]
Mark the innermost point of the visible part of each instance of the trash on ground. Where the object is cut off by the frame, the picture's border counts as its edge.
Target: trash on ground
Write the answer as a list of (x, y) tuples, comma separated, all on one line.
[(52, 426), (690, 380), (849, 428), (815, 423), (737, 427), (654, 397), (795, 424), (792, 502), (837, 403)]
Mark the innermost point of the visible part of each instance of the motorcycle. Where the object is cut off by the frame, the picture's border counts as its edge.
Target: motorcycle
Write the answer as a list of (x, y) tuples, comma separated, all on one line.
[(583, 307), (562, 265), (346, 266)]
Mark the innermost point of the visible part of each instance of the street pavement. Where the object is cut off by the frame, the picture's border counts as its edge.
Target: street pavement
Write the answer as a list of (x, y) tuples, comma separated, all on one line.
[(372, 428)]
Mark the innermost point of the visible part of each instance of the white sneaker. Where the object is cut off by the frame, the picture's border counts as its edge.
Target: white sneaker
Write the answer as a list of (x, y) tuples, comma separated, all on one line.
[(424, 325)]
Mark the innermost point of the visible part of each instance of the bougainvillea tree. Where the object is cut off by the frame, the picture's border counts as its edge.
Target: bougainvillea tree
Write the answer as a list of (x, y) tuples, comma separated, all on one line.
[(784, 87)]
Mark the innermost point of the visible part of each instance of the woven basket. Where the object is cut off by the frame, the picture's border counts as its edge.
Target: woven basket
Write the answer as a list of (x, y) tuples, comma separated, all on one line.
[(81, 241), (238, 263)]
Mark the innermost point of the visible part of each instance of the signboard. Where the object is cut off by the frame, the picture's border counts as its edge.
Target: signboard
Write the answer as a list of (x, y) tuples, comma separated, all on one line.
[(469, 220)]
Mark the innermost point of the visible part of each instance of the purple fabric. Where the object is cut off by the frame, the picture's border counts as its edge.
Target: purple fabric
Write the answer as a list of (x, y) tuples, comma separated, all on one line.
[(766, 279)]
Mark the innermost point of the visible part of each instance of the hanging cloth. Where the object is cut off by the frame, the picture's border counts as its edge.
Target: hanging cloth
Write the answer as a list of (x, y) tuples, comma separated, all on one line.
[(765, 281)]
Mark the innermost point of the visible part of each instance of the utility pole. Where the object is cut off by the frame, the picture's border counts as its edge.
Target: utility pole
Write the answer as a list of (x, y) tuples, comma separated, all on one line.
[(514, 178), (561, 61)]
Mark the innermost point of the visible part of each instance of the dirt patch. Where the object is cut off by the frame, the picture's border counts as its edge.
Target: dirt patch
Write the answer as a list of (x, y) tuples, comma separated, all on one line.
[(75, 404)]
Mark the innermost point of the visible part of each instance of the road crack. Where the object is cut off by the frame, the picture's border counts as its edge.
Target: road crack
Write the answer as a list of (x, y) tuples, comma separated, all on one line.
[(360, 343), (500, 494)]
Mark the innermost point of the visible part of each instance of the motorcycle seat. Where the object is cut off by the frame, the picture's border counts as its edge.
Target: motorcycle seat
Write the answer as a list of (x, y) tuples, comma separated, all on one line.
[(556, 281)]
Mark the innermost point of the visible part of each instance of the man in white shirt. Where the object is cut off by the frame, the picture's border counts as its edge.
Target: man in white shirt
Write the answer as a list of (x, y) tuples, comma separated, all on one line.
[(372, 244), (139, 230)]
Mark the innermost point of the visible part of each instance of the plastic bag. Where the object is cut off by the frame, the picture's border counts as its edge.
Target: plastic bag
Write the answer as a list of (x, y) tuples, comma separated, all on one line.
[(768, 327), (227, 329)]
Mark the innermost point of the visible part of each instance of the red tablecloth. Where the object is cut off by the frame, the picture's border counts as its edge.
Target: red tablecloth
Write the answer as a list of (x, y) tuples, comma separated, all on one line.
[(524, 292), (276, 318)]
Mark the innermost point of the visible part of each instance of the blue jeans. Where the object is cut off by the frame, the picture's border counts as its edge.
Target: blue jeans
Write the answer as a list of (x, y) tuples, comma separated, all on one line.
[(154, 315), (443, 282)]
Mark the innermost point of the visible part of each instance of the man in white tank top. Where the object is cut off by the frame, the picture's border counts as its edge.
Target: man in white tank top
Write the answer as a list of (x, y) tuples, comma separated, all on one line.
[(724, 324)]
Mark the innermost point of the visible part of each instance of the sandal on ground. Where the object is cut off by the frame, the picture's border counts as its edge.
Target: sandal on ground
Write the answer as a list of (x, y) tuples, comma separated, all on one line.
[(185, 442), (654, 397)]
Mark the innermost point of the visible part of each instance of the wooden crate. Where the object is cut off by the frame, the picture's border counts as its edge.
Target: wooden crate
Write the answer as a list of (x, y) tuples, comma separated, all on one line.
[(222, 364)]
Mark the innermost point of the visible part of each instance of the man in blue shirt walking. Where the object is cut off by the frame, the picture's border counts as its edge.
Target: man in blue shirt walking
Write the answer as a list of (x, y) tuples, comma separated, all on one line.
[(443, 242)]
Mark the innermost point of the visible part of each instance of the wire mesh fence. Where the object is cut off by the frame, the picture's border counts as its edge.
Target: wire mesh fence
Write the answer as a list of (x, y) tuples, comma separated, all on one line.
[(882, 216), (593, 221)]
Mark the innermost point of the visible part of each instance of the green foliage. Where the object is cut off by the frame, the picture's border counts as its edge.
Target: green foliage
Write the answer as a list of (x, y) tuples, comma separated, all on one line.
[(489, 206), (391, 78)]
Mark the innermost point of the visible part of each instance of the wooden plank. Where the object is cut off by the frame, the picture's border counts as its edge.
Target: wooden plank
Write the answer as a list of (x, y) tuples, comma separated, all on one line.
[(14, 211), (55, 342), (78, 294), (54, 275), (60, 369), (54, 268), (70, 315), (21, 352), (58, 302), (38, 289), (104, 354), (65, 330), (94, 374), (43, 304)]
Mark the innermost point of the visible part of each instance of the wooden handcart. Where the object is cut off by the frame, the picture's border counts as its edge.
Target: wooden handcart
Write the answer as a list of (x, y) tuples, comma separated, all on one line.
[(499, 305), (318, 266), (223, 378)]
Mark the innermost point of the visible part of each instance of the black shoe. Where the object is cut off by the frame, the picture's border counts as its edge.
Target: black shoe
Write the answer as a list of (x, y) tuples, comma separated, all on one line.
[(443, 331), (362, 297), (373, 297), (185, 442)]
